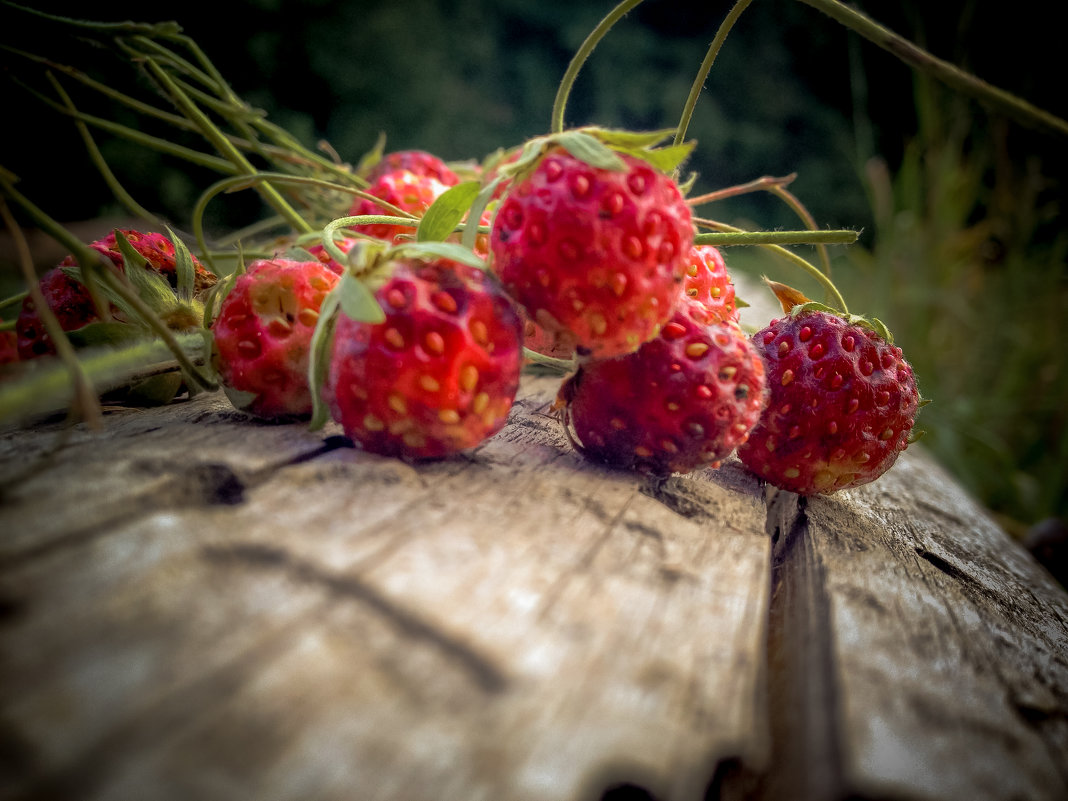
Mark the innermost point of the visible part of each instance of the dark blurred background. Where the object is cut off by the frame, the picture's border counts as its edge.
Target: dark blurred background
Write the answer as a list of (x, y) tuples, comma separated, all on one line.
[(962, 249)]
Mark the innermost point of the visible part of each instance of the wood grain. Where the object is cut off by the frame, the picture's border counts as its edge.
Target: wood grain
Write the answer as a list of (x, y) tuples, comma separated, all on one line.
[(195, 605)]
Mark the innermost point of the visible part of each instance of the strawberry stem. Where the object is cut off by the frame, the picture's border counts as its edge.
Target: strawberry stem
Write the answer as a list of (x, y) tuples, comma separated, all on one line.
[(583, 53), (766, 239), (706, 66), (949, 74)]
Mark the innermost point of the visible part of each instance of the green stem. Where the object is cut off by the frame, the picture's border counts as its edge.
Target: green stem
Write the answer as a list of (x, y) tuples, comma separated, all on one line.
[(112, 28), (47, 390), (583, 53), (952, 76), (735, 236), (766, 239), (226, 148), (706, 66), (124, 197)]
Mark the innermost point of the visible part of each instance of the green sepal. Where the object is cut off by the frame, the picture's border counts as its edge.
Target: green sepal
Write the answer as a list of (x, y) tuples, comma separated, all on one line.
[(474, 217), (149, 285), (369, 159), (740, 304), (916, 435), (184, 269), (101, 333), (446, 212), (158, 390), (871, 323), (357, 301), (437, 250), (239, 398), (297, 254), (665, 159), (629, 140), (322, 343), (590, 150)]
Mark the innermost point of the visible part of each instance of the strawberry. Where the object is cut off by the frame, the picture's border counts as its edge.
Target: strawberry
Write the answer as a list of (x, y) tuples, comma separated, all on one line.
[(9, 349), (439, 374), (70, 300), (404, 189), (684, 400), (320, 252), (418, 162), (842, 406), (263, 333), (594, 255), (708, 281)]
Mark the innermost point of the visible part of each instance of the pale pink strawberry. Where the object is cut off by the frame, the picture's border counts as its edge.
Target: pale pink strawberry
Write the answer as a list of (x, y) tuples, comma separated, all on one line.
[(708, 281), (263, 332), (404, 189), (419, 162)]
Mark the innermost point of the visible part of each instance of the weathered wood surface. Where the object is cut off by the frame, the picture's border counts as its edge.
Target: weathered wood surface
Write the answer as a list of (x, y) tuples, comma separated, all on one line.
[(194, 605)]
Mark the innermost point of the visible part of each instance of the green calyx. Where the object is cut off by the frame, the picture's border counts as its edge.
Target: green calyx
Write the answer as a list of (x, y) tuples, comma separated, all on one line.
[(871, 323), (601, 148)]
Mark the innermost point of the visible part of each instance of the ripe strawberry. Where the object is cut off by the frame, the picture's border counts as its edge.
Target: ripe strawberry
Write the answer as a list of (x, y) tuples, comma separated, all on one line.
[(263, 333), (684, 400), (842, 406), (594, 255), (419, 162), (9, 349), (708, 281), (70, 300), (404, 189), (439, 374)]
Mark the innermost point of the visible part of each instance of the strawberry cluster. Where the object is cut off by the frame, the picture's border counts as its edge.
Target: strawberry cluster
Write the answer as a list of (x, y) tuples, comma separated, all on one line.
[(411, 326)]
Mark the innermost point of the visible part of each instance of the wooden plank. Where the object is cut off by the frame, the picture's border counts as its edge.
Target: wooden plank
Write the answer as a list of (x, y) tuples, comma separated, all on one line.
[(196, 605), (917, 651)]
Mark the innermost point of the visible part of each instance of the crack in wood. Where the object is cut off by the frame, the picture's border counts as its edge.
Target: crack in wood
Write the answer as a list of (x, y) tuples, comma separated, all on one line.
[(481, 668)]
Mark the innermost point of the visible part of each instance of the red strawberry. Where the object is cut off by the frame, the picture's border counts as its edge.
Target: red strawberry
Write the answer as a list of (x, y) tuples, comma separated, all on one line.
[(9, 349), (404, 189), (419, 162), (70, 301), (594, 255), (320, 252), (439, 374), (707, 281), (684, 400), (263, 334), (842, 406)]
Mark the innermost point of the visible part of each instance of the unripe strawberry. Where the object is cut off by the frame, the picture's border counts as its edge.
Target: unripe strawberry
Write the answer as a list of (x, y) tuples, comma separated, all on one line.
[(439, 374), (263, 333), (594, 255), (842, 406), (684, 400)]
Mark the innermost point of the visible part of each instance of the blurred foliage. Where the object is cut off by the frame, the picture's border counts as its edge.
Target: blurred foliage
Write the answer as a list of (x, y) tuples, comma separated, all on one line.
[(961, 253)]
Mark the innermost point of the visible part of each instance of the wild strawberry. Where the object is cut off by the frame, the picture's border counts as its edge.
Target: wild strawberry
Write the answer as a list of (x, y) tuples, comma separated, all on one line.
[(842, 405), (594, 255), (68, 298), (9, 349), (320, 252), (708, 281), (419, 162), (685, 399), (404, 189), (439, 374), (263, 333)]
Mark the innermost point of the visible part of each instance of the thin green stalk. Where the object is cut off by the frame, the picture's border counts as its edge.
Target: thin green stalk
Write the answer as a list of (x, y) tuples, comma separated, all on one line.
[(14, 300), (111, 28), (224, 146), (767, 239), (48, 389), (952, 76), (706, 66), (798, 207), (124, 197), (583, 53)]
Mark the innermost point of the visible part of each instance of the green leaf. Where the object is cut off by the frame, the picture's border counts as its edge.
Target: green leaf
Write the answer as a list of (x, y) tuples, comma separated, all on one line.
[(184, 269), (446, 212), (372, 156), (150, 286), (483, 199), (357, 301), (588, 149), (239, 397), (437, 250), (322, 343)]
